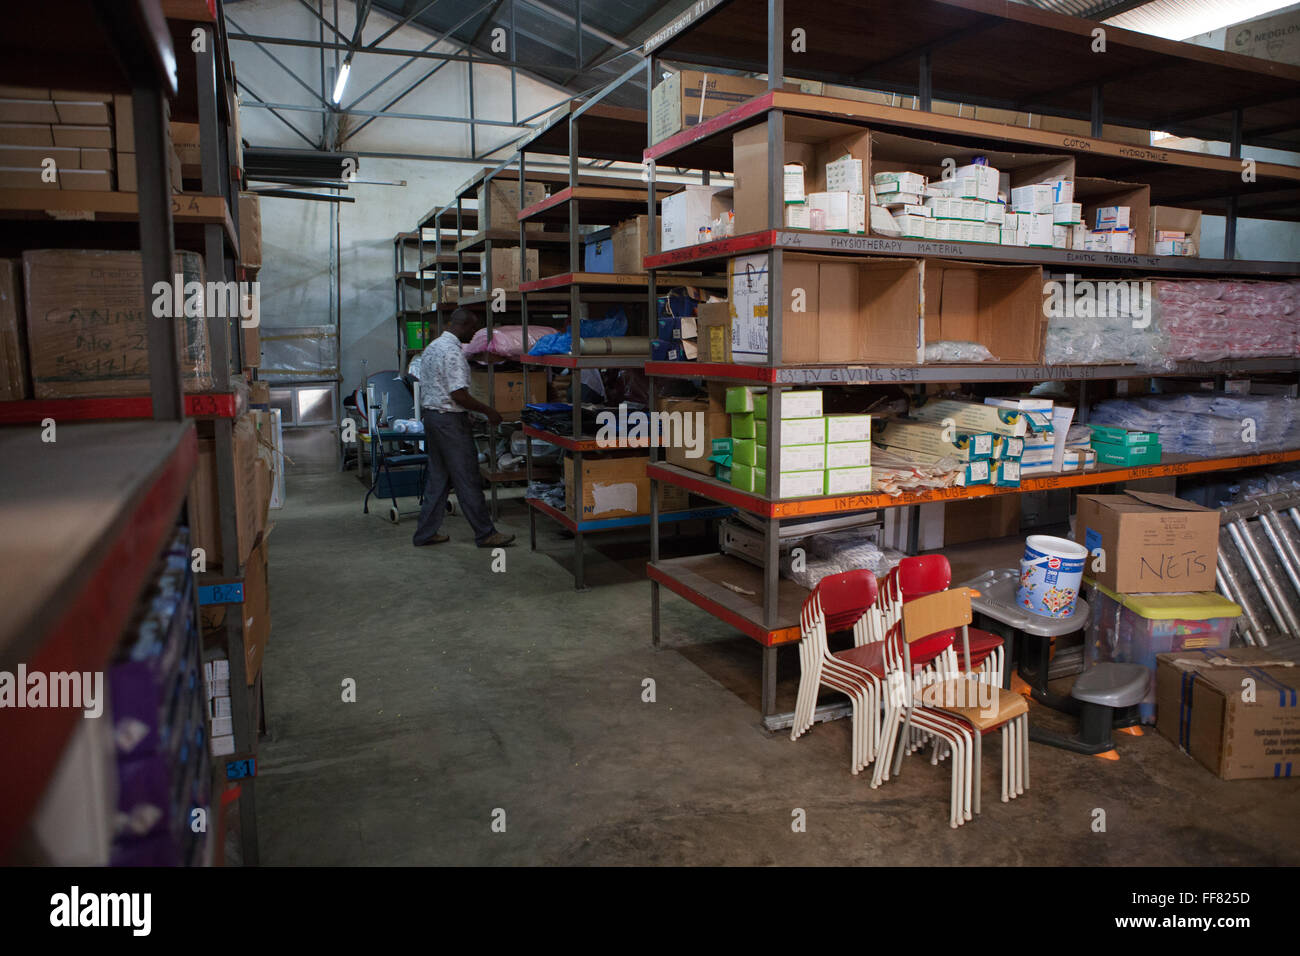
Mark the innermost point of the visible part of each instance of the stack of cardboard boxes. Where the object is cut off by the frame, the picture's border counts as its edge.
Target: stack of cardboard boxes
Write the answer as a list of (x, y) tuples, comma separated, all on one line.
[(56, 139), (78, 326)]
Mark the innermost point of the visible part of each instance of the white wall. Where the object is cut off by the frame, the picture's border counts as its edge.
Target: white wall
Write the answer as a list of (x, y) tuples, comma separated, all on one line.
[(295, 234)]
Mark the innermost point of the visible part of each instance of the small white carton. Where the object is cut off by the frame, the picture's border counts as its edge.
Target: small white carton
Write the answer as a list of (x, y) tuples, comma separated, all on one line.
[(847, 481), (1035, 199), (848, 454)]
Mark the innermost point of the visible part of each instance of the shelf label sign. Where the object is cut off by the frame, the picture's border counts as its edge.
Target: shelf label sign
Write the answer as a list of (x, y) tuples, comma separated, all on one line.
[(232, 593), (241, 769)]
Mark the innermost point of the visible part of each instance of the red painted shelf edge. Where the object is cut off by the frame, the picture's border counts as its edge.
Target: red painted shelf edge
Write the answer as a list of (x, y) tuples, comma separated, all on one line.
[(85, 635), (32, 411)]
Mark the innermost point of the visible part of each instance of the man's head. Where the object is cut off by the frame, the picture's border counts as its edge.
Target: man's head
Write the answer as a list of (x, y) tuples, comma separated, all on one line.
[(462, 324)]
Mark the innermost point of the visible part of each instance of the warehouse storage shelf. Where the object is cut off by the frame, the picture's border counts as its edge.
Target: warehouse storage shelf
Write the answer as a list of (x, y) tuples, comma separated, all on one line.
[(598, 205), (139, 58), (619, 132), (1171, 466), (703, 580), (628, 280), (197, 405), (569, 443), (948, 48), (480, 239), (744, 374), (84, 205), (1176, 177), (566, 520), (1152, 83), (838, 243), (512, 297), (585, 361), (117, 490)]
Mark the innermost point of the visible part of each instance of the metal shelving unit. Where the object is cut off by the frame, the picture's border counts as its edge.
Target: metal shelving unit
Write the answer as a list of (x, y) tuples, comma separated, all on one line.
[(615, 134), (85, 517), (942, 48), (199, 88)]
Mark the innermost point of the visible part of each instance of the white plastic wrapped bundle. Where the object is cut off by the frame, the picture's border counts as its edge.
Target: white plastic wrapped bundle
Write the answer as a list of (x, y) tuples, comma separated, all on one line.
[(1112, 339), (836, 552), (957, 352), (1208, 426)]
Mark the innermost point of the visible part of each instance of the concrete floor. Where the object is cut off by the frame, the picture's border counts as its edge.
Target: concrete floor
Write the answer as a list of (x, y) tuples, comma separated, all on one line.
[(480, 692)]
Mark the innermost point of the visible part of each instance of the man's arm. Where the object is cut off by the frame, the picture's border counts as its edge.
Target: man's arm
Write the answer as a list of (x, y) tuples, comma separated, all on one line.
[(465, 400)]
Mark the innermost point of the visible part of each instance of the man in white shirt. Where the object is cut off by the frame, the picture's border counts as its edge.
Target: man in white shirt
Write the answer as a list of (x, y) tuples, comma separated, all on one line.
[(453, 457)]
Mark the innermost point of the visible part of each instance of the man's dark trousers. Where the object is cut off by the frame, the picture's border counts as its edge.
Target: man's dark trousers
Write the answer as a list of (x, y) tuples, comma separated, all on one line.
[(453, 463)]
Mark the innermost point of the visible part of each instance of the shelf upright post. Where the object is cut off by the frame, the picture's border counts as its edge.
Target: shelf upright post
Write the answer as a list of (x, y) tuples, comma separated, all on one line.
[(924, 93), (244, 705), (1098, 112), (523, 324), (652, 314), (1230, 214), (575, 376), (775, 302), (157, 245)]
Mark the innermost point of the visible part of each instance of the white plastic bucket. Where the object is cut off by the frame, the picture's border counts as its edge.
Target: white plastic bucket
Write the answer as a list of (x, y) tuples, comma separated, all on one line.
[(1050, 575)]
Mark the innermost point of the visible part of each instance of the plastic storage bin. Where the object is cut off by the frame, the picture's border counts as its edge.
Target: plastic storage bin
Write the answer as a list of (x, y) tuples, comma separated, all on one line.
[(1134, 628)]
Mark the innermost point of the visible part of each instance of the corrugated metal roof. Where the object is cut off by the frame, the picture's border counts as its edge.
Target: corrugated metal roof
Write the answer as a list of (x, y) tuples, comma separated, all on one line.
[(549, 40), (547, 35)]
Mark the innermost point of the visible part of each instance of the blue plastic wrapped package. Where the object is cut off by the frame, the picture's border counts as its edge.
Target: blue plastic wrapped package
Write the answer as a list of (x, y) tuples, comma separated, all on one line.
[(613, 325), (1208, 425)]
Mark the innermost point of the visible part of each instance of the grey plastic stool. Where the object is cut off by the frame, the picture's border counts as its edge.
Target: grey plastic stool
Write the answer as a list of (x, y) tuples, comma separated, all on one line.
[(1107, 695)]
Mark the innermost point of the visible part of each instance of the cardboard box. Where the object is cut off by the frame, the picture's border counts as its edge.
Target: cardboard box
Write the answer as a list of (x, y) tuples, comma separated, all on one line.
[(27, 111), (89, 137), (852, 310), (614, 487), (1269, 38), (716, 425), (685, 212), (507, 395), (15, 383), (631, 245), (85, 113), (252, 494), (250, 230), (99, 180), (1153, 543), (255, 613), (1201, 707), (690, 97), (259, 392), (1177, 220), (88, 320), (29, 178), (26, 134), (812, 143), (1095, 194), (185, 140), (1000, 307), (713, 331), (124, 123), (981, 519), (499, 205), (30, 157), (505, 272), (673, 498), (251, 347)]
